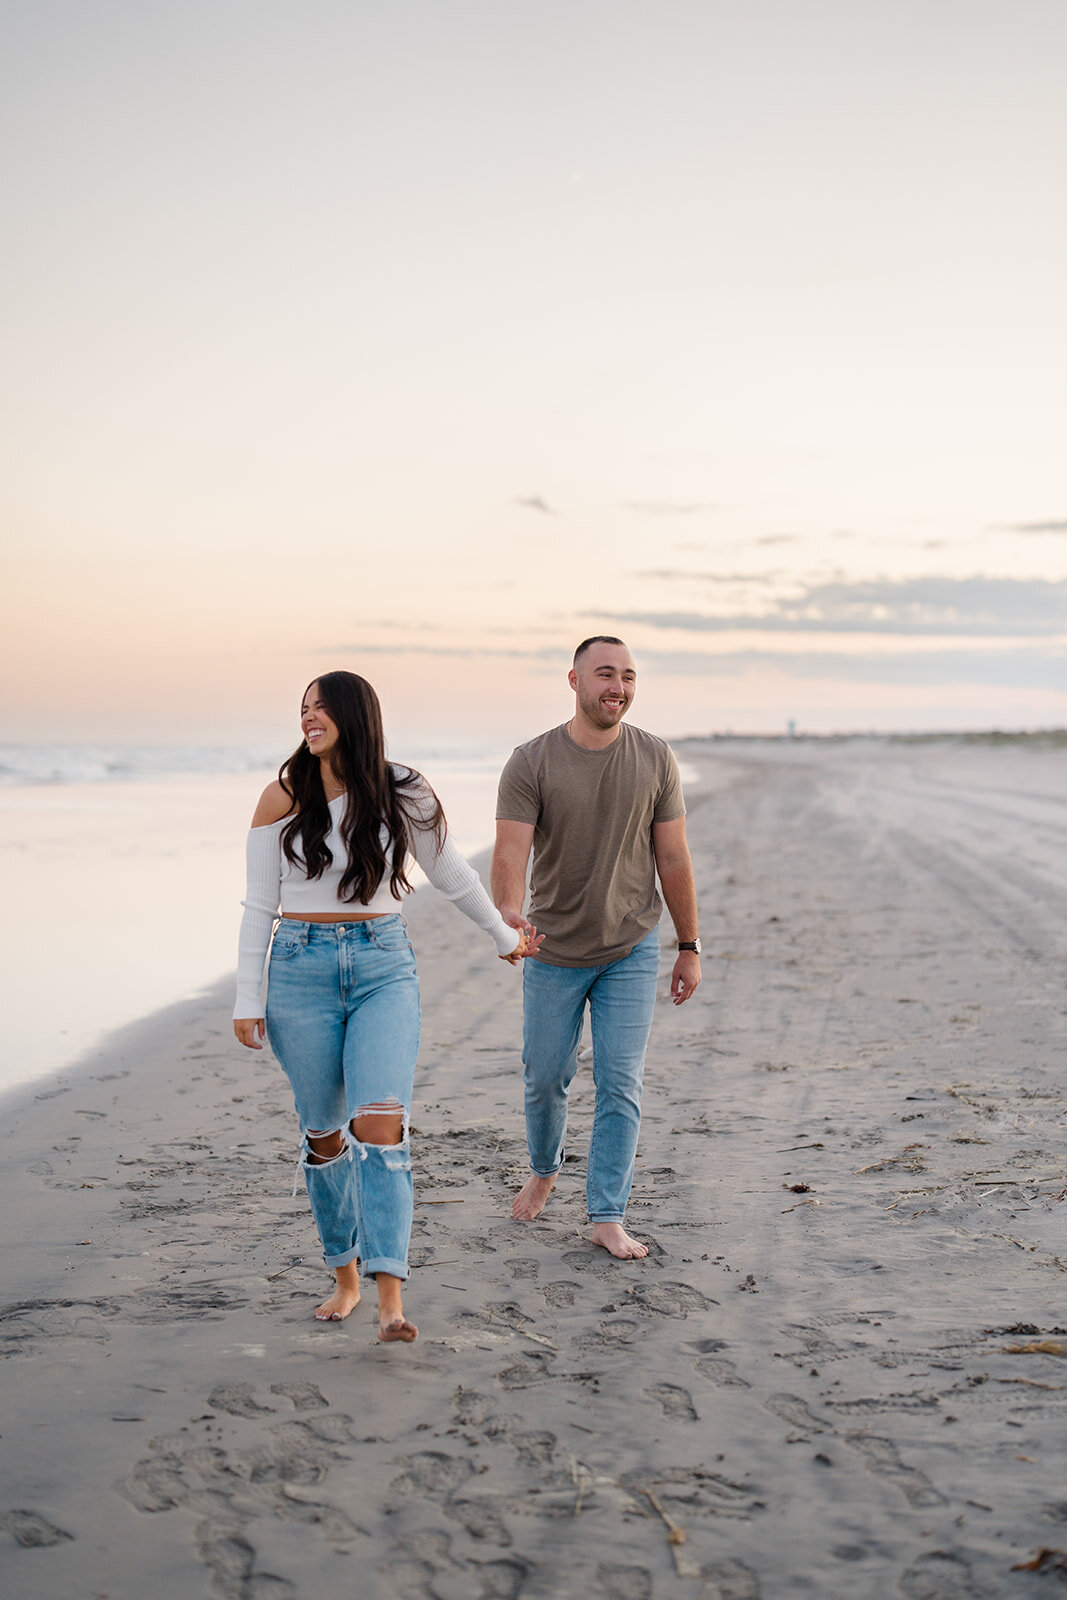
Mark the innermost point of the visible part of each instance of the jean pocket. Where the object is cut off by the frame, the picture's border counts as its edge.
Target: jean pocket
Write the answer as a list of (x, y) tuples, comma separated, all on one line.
[(286, 947), (394, 937)]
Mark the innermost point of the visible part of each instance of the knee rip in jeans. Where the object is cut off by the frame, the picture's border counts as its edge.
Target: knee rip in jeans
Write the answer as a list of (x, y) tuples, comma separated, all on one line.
[(382, 1126), (322, 1148)]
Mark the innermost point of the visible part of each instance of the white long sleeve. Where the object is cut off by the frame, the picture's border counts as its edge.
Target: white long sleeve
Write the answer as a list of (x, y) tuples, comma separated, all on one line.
[(263, 858), (274, 883), (454, 877), (451, 874)]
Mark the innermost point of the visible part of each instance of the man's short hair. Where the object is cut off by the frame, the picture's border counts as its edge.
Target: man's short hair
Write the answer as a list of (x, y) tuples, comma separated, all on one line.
[(597, 638)]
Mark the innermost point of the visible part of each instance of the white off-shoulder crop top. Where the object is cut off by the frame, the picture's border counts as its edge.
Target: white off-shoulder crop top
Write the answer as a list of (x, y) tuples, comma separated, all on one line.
[(276, 885)]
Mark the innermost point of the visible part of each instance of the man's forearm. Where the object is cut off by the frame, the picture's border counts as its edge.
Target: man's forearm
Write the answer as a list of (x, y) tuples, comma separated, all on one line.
[(507, 883), (680, 893), (507, 874)]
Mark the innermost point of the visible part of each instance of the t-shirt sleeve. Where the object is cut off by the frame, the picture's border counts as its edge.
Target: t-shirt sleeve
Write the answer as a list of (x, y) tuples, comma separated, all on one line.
[(518, 798), (670, 803)]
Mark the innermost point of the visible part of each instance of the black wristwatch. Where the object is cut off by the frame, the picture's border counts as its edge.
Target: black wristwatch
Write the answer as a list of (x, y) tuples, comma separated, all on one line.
[(690, 944)]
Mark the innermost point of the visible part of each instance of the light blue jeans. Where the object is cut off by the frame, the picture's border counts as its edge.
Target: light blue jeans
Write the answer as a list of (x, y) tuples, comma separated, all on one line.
[(343, 1020), (621, 997)]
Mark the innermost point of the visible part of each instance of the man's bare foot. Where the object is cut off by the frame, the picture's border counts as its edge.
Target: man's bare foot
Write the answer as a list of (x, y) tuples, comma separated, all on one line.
[(345, 1298), (392, 1323), (531, 1198), (399, 1328), (615, 1239)]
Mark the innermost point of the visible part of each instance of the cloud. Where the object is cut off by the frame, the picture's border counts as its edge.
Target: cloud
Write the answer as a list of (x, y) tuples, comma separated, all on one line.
[(686, 575), (534, 502), (472, 652), (920, 607), (1041, 668)]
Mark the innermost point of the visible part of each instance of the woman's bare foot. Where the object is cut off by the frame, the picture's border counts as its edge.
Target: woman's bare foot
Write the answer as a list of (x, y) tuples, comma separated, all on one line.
[(392, 1323), (399, 1328), (345, 1297), (531, 1198), (615, 1239)]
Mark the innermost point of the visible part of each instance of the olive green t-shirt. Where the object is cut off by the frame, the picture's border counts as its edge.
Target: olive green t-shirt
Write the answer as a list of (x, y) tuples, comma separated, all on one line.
[(593, 887)]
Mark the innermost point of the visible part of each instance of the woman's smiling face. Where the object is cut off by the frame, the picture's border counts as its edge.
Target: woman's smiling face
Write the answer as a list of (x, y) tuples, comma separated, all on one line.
[(318, 727)]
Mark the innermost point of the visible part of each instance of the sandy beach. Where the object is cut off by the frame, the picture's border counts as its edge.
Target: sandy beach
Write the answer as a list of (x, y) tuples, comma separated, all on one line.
[(841, 1371)]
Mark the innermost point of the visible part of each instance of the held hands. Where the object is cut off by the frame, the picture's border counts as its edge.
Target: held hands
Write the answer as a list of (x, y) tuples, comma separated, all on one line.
[(250, 1031), (529, 939), (685, 977)]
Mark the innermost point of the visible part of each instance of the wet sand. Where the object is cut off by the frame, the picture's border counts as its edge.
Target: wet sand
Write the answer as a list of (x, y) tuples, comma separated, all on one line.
[(842, 1370)]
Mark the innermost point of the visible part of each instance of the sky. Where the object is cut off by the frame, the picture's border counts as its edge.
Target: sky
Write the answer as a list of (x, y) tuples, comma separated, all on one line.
[(427, 338)]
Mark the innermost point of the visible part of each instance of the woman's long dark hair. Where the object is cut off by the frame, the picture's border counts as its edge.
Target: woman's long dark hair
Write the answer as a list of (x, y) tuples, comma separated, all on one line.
[(375, 793)]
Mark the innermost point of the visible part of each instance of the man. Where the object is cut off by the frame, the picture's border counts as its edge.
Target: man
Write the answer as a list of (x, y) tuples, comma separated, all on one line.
[(600, 804)]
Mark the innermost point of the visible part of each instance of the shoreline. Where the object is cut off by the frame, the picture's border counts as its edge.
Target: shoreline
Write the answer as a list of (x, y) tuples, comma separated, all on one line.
[(842, 1369), (179, 839)]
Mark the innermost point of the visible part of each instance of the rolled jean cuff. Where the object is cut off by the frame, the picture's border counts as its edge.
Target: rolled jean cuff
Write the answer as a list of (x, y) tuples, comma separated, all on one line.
[(614, 1217), (395, 1269), (343, 1259)]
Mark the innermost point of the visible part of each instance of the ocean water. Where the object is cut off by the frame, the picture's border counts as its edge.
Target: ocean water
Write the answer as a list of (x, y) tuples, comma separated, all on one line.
[(123, 869)]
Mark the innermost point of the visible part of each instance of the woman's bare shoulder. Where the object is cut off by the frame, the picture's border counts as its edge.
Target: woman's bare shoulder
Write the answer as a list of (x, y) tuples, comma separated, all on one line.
[(274, 803)]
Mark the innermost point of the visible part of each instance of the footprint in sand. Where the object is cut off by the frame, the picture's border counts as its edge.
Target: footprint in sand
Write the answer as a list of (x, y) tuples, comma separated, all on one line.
[(424, 1568), (432, 1472), (730, 1580), (155, 1485), (722, 1372), (523, 1267), (868, 1406), (883, 1459), (305, 1396), (941, 1575), (206, 1302), (790, 1408), (237, 1399), (478, 1415), (677, 1402), (182, 1470), (817, 1346), (613, 1335), (531, 1368), (31, 1530), (424, 1558), (231, 1560), (480, 1516), (665, 1299), (592, 1259)]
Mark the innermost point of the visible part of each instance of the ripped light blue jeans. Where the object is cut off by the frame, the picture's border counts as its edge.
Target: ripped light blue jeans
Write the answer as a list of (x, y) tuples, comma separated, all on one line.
[(343, 1020)]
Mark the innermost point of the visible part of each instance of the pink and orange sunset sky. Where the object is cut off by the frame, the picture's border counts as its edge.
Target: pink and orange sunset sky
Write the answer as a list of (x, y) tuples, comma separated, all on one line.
[(426, 338)]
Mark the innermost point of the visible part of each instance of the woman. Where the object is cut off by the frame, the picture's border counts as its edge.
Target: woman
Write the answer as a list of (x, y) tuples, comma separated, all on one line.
[(328, 848)]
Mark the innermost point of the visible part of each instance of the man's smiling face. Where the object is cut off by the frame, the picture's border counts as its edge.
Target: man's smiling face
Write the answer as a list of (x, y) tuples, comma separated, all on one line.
[(605, 681)]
